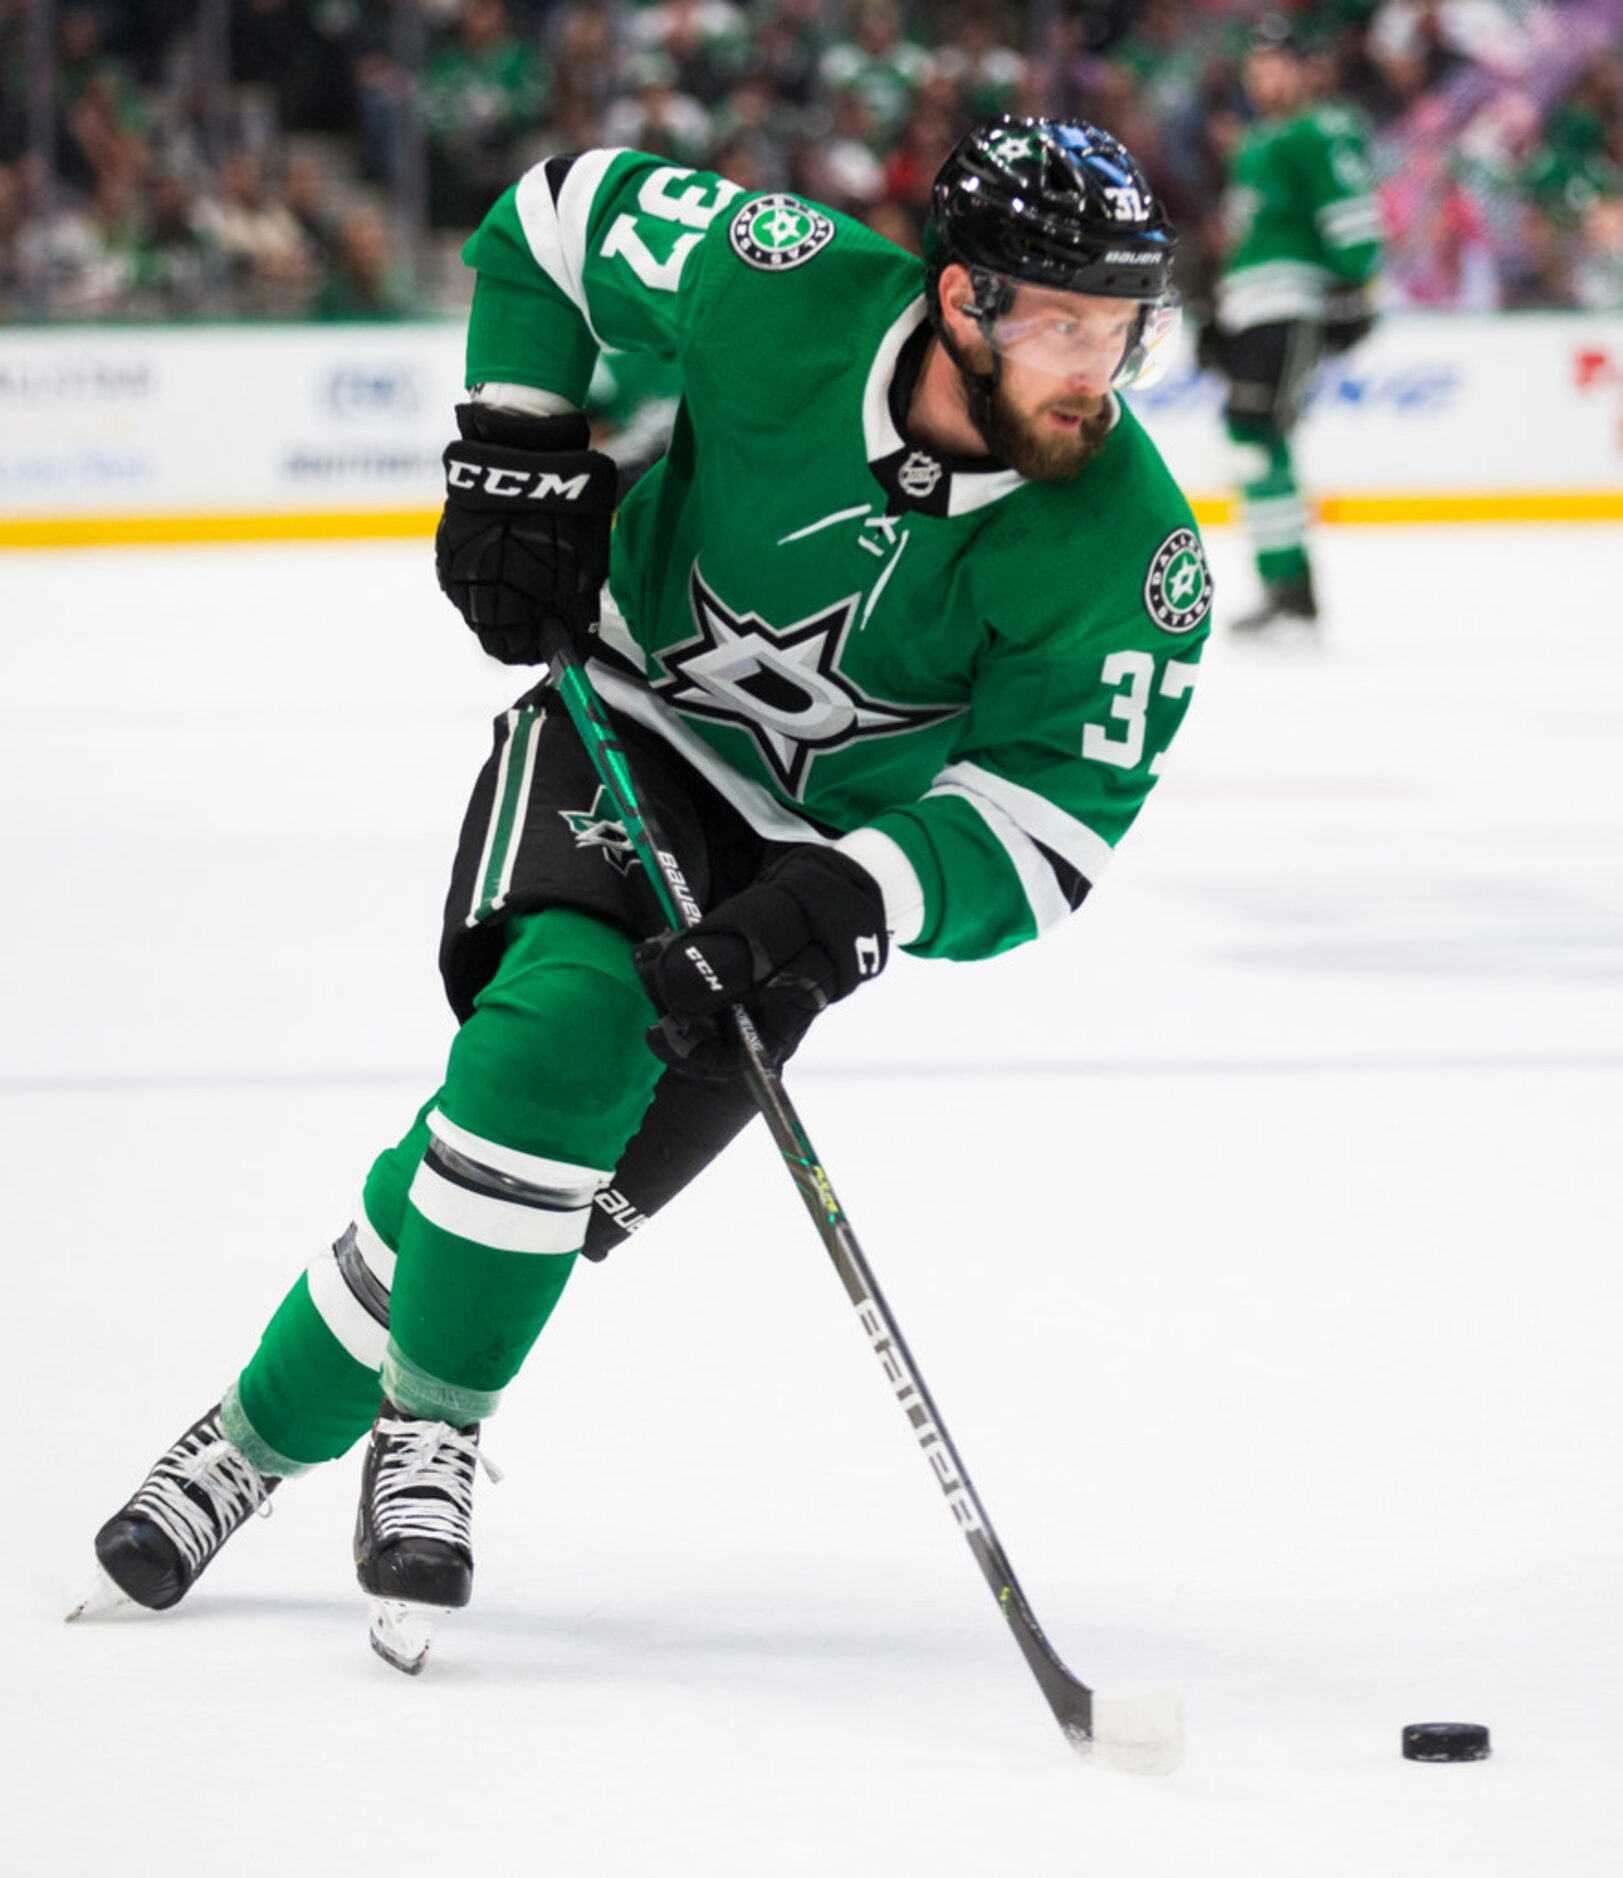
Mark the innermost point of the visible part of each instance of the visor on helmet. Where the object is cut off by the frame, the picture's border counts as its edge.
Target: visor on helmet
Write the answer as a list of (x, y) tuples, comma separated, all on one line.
[(1109, 342)]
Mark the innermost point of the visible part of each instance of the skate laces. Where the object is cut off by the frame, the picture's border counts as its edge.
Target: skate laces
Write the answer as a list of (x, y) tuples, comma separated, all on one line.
[(423, 1488), (201, 1491)]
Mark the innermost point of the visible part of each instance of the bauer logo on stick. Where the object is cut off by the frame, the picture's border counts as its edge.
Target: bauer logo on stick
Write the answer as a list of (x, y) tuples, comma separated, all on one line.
[(775, 232), (1178, 588)]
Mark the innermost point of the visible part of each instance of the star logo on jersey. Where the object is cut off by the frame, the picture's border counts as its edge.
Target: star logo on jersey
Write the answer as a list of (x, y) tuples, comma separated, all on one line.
[(783, 687), (775, 232), (1178, 587), (598, 827)]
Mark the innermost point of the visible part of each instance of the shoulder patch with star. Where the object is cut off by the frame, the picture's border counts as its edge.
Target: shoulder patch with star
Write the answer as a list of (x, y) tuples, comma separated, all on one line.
[(1178, 587), (778, 232)]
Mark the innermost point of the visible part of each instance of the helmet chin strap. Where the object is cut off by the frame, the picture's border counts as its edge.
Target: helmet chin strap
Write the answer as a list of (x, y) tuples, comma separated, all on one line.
[(979, 387)]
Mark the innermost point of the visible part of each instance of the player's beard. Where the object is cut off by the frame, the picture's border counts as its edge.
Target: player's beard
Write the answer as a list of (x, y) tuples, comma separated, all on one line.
[(1040, 453)]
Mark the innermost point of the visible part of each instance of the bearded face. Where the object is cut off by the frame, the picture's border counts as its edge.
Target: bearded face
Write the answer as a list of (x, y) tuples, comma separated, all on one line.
[(1037, 376), (1048, 437), (1044, 427)]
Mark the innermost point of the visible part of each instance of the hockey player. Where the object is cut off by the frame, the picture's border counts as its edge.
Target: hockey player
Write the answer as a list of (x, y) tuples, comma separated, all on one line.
[(896, 636), (1303, 244)]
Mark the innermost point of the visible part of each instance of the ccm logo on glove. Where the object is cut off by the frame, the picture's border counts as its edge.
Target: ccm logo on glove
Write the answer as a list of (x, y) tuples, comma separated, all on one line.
[(496, 480), (810, 930), (523, 545), (706, 972)]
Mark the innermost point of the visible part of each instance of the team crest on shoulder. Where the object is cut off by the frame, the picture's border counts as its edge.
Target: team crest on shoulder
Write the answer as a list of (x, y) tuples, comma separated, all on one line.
[(775, 232), (1178, 588)]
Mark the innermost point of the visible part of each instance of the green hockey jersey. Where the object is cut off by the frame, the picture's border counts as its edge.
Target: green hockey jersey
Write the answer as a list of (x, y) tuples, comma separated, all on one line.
[(1300, 220), (968, 679)]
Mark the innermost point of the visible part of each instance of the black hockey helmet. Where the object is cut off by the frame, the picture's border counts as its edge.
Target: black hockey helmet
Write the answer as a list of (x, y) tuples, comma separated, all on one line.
[(1052, 204), (1062, 205)]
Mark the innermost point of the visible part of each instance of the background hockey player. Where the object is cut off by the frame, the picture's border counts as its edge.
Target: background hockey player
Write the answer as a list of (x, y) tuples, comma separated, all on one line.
[(896, 636), (1303, 242)]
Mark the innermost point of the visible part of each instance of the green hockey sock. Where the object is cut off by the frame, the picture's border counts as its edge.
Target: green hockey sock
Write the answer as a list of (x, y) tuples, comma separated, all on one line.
[(515, 1154), (547, 1082), (311, 1390), (1272, 508)]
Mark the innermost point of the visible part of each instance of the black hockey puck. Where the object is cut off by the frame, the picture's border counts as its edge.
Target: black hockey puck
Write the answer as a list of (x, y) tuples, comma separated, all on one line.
[(1445, 1741)]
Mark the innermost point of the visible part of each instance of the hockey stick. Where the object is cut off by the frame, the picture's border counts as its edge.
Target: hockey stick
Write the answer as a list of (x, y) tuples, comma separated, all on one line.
[(1139, 1734)]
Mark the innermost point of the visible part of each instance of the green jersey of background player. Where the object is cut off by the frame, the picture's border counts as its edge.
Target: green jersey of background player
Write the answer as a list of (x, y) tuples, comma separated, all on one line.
[(897, 635), (1303, 242)]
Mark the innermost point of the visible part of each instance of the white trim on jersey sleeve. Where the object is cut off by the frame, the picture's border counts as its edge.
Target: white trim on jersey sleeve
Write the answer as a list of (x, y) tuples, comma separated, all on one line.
[(556, 231), (1048, 905), (1350, 222), (527, 400), (1019, 819), (901, 888), (1043, 820)]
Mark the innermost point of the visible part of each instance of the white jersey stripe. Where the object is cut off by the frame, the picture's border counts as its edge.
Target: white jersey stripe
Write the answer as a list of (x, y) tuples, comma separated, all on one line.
[(1043, 820), (521, 810), (556, 232), (758, 806), (566, 1177), (343, 1313), (1048, 905), (496, 800), (503, 1225), (613, 631)]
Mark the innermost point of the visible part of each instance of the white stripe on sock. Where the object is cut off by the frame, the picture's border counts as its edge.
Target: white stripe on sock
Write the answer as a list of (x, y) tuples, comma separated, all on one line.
[(343, 1313), (565, 1177), (503, 1225)]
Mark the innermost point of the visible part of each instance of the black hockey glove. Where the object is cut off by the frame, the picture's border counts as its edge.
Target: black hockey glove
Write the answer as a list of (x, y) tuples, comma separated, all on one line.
[(525, 533), (810, 930), (1349, 319)]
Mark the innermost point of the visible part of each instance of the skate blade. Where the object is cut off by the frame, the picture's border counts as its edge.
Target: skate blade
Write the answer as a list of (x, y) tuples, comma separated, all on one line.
[(103, 1598), (1300, 638), (402, 1632)]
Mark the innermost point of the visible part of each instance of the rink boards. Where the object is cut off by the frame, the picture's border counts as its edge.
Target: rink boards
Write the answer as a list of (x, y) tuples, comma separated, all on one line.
[(118, 435)]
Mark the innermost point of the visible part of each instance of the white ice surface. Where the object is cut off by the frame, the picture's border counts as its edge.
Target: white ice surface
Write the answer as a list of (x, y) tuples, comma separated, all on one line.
[(1258, 1236)]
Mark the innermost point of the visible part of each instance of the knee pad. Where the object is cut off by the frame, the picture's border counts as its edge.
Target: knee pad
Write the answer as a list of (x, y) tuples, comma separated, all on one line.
[(553, 1061)]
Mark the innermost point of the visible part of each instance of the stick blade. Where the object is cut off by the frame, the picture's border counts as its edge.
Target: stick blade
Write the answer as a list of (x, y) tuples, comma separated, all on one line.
[(1136, 1734)]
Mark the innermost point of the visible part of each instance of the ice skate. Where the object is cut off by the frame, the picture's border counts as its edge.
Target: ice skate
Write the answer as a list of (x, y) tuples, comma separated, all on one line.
[(413, 1531), (1288, 611), (154, 1549)]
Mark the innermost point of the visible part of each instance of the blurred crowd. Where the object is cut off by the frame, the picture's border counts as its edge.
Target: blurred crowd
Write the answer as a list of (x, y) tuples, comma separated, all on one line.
[(306, 158)]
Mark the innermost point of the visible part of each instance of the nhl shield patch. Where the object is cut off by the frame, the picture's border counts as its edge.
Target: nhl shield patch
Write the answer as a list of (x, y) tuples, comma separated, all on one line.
[(1178, 587), (777, 232)]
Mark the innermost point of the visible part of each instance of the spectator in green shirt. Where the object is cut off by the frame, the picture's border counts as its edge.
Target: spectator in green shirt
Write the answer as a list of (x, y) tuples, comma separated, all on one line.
[(480, 94)]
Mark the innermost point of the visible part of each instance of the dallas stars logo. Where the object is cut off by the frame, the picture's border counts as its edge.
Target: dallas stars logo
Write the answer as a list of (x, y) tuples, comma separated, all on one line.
[(775, 232), (597, 827), (784, 688), (1178, 587)]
